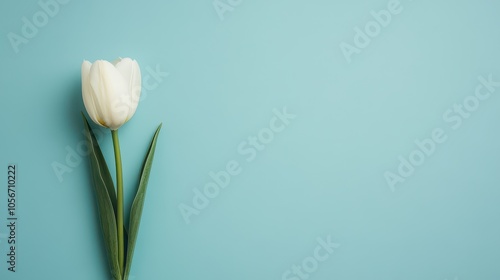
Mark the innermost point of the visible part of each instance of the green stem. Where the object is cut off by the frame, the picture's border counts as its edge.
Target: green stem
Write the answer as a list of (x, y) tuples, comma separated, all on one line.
[(119, 194)]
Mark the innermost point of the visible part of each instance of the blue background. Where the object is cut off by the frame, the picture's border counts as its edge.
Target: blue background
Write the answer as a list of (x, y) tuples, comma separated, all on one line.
[(321, 176)]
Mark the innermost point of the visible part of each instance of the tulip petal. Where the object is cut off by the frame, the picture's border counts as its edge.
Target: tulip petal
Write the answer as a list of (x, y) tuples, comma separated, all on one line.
[(88, 94), (110, 93), (132, 73)]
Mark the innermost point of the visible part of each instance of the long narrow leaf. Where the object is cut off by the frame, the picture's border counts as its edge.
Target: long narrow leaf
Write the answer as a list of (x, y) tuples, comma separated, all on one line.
[(137, 205), (110, 187), (107, 176), (102, 184)]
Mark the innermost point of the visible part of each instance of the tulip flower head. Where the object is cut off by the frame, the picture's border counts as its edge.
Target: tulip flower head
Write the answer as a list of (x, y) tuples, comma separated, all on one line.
[(111, 91)]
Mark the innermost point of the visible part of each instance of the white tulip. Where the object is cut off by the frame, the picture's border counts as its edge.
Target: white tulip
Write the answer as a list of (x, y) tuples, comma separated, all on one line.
[(111, 91)]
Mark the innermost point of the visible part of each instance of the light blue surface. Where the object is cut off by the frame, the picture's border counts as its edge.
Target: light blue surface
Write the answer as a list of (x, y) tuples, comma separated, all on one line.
[(323, 175)]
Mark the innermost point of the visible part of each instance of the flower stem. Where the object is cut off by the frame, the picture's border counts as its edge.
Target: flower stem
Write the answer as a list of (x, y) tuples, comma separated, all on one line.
[(119, 193)]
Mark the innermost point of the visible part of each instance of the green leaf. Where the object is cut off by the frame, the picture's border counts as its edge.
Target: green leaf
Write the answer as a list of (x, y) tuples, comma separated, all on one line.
[(110, 187), (103, 184), (137, 205)]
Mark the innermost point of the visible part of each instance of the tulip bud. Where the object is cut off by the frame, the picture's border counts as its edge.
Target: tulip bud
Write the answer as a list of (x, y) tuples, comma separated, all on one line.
[(111, 91)]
